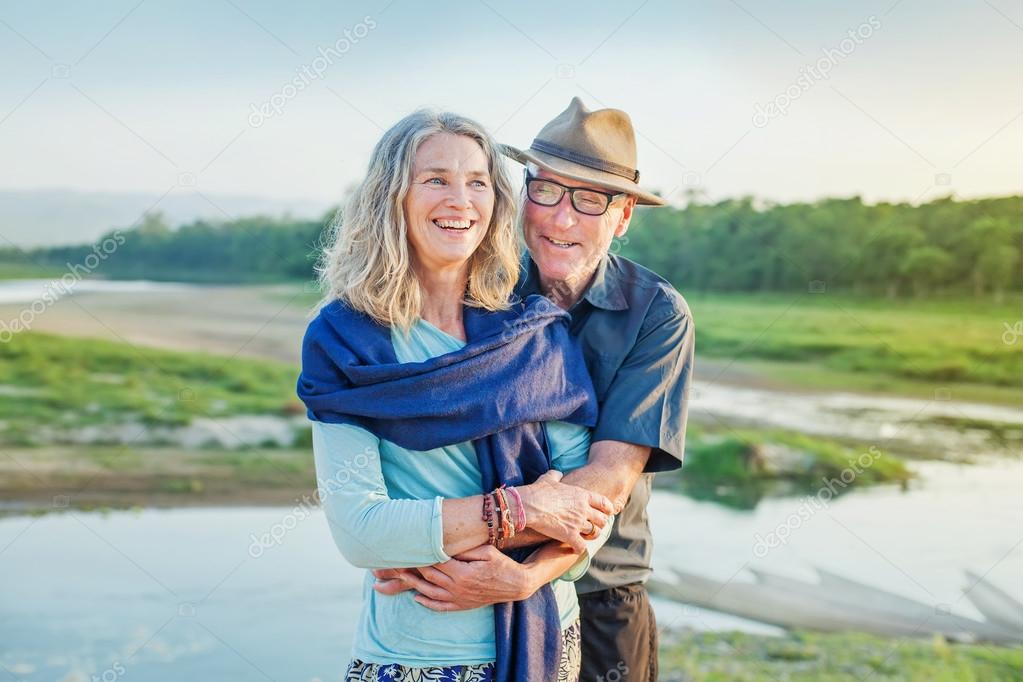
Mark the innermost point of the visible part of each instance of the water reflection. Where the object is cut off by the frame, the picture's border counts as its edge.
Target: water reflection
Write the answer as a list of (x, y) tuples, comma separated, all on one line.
[(177, 594)]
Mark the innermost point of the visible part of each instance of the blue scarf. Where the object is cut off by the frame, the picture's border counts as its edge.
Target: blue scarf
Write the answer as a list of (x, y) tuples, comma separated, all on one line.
[(518, 368)]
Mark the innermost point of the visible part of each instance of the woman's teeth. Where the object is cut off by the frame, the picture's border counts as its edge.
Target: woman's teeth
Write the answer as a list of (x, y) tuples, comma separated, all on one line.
[(454, 224), (560, 244)]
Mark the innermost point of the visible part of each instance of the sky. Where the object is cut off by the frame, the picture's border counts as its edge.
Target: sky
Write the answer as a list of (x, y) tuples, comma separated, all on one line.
[(728, 98)]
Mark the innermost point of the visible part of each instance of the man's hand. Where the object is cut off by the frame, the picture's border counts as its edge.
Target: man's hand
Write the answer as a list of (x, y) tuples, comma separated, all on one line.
[(479, 577), (567, 513)]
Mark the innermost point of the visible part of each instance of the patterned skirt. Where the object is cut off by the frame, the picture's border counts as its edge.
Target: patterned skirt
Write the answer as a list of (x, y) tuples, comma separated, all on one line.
[(571, 659)]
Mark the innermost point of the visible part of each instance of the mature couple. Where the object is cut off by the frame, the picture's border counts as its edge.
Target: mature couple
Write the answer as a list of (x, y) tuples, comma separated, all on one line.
[(485, 423)]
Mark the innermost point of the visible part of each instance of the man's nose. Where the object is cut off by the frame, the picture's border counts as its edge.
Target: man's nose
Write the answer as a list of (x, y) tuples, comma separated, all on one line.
[(564, 215)]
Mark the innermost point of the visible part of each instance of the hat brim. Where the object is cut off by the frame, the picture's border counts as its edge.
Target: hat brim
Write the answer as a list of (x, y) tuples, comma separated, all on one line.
[(575, 171)]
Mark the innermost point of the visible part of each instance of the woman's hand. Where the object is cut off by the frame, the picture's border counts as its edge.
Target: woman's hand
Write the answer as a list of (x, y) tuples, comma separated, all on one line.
[(564, 512)]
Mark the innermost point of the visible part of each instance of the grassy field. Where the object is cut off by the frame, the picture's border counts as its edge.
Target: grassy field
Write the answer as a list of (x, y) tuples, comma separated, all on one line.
[(52, 387), (905, 345), (67, 383), (838, 657), (29, 271)]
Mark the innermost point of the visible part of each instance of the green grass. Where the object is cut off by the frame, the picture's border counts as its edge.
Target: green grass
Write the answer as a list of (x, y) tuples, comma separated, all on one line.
[(833, 657), (729, 468), (64, 382), (30, 271), (936, 341)]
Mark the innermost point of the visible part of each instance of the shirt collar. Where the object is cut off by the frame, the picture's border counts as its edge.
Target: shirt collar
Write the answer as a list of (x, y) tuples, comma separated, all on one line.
[(605, 290)]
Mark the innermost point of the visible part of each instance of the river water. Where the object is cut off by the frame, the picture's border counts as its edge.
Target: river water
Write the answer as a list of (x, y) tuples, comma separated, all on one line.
[(184, 594)]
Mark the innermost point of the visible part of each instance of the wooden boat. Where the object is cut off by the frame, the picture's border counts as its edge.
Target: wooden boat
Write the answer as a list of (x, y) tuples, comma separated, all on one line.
[(996, 604), (836, 603)]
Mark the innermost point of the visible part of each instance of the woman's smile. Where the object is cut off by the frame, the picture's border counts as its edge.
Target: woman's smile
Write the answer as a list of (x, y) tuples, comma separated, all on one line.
[(454, 224)]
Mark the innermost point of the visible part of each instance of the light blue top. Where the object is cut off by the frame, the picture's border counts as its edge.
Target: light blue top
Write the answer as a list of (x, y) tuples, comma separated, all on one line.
[(383, 506)]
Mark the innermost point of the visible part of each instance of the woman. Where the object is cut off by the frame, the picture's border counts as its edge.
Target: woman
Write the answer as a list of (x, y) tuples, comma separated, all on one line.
[(429, 393)]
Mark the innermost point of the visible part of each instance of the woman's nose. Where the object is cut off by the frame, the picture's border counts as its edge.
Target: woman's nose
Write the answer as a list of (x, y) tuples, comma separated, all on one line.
[(459, 196)]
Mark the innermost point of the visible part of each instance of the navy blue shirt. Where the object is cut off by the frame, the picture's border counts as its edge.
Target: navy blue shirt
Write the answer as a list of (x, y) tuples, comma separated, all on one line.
[(638, 340)]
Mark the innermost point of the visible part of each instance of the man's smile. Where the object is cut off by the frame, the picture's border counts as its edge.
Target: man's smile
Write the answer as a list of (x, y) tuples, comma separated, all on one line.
[(560, 244)]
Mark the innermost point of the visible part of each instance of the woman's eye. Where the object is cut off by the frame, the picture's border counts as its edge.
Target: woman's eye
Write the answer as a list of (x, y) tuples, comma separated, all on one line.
[(434, 181), (479, 184)]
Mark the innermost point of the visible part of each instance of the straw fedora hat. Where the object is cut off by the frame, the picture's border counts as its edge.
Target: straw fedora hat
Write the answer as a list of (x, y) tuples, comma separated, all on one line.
[(595, 147)]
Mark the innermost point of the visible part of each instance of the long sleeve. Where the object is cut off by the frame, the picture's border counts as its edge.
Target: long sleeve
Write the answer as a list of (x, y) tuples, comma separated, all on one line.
[(369, 528)]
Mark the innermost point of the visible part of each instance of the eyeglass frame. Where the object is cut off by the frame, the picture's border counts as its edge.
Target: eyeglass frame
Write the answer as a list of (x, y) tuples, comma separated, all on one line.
[(611, 196)]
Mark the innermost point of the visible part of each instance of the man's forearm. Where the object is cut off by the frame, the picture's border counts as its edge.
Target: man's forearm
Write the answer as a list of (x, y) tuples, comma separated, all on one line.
[(551, 560), (613, 469)]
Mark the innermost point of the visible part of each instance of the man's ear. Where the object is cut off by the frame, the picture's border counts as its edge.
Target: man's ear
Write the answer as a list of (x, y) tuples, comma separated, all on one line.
[(623, 223)]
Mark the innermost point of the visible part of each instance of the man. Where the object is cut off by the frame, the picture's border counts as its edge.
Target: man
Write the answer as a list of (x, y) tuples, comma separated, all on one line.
[(637, 335)]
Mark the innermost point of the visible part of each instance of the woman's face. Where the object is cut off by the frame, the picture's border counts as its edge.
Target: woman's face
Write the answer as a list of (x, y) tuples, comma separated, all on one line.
[(449, 203)]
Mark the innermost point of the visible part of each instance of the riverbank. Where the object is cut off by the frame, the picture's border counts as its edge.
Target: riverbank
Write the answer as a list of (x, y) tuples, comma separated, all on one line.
[(687, 656), (112, 424), (47, 479), (213, 367)]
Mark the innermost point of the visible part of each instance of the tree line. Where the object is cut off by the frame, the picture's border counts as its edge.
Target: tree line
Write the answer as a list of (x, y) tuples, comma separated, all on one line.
[(737, 245), (841, 244), (253, 249)]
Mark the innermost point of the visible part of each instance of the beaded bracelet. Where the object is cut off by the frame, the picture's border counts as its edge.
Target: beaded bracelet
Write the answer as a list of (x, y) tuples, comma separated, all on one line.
[(488, 516)]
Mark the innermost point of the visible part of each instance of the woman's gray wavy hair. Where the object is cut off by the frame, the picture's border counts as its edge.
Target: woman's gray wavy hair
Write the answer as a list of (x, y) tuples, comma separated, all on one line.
[(367, 262)]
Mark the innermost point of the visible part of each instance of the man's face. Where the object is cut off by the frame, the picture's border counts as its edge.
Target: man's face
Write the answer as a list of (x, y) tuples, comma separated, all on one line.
[(567, 245)]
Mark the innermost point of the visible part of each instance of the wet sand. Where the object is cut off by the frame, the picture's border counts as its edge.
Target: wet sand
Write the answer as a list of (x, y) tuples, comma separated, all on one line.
[(57, 477), (254, 321)]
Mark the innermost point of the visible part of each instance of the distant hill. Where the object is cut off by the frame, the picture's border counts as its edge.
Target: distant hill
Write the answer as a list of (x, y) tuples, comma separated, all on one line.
[(57, 217)]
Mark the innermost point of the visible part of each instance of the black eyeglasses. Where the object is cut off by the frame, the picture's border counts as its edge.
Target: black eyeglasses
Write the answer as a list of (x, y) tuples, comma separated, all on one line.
[(585, 200)]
